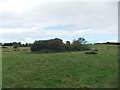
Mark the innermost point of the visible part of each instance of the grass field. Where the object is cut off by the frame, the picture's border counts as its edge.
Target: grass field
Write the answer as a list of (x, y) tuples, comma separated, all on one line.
[(23, 69)]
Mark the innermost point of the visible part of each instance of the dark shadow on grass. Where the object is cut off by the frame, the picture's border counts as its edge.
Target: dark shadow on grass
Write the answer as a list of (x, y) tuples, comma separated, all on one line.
[(52, 51)]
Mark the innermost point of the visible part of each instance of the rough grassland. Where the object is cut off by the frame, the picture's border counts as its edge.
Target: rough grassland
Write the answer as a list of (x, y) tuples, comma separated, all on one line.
[(23, 69)]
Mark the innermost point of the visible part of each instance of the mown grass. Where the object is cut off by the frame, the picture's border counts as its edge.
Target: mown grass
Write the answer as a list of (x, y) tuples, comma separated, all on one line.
[(23, 69)]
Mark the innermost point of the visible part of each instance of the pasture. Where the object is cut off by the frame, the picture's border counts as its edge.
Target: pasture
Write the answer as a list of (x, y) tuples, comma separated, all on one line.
[(24, 69)]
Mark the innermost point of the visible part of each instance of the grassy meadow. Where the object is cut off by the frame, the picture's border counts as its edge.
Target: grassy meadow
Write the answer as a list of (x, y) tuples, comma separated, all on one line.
[(25, 69)]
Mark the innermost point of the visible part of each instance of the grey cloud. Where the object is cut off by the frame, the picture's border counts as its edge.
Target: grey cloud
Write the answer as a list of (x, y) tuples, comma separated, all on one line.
[(101, 16)]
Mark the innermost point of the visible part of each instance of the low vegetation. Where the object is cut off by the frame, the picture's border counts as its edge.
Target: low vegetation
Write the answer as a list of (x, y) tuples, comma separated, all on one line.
[(91, 52), (58, 45), (26, 69)]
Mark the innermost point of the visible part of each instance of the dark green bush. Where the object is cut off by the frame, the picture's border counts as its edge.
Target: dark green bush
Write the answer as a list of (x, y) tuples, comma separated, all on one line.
[(15, 46), (91, 52), (39, 45), (55, 44)]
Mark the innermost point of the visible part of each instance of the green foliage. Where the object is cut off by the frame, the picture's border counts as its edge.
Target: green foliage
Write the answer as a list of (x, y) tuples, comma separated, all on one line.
[(66, 47), (68, 42), (82, 40), (26, 45), (55, 44), (76, 45), (16, 46), (39, 45)]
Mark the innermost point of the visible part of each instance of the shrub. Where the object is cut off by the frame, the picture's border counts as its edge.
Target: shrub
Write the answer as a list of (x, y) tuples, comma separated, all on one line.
[(76, 46), (39, 45), (66, 46), (91, 52), (55, 44), (96, 50), (16, 46)]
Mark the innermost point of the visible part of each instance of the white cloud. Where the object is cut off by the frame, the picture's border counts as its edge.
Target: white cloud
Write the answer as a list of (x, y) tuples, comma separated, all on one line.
[(19, 18)]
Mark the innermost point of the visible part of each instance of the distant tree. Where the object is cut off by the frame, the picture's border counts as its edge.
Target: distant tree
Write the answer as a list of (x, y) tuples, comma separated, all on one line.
[(14, 43), (107, 42), (11, 44), (67, 42), (19, 43), (16, 46), (26, 45), (79, 44), (29, 45), (22, 45), (67, 45), (1, 44), (7, 44), (76, 45), (82, 40)]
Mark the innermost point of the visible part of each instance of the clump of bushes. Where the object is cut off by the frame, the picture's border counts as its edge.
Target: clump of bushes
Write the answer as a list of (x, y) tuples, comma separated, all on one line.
[(96, 50), (52, 44), (58, 45), (55, 44)]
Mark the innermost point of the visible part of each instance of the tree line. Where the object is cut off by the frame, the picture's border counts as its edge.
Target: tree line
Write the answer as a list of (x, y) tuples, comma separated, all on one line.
[(17, 44), (112, 43), (55, 44)]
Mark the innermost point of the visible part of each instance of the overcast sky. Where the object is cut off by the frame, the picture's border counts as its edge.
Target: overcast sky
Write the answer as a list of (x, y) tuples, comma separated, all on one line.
[(30, 20)]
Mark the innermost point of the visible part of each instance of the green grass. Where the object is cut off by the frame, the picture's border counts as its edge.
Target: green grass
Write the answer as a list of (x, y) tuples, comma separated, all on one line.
[(23, 69)]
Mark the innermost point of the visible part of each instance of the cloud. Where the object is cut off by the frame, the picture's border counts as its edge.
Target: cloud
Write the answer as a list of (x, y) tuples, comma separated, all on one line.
[(20, 19)]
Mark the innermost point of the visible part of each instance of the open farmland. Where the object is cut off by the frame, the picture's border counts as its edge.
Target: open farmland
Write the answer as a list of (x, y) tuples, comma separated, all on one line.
[(24, 69)]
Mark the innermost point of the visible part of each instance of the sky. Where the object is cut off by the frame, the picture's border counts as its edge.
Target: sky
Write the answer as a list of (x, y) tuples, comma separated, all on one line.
[(29, 20)]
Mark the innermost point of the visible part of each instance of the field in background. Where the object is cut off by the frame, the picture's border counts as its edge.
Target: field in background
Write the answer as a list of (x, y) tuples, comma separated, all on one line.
[(22, 69)]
